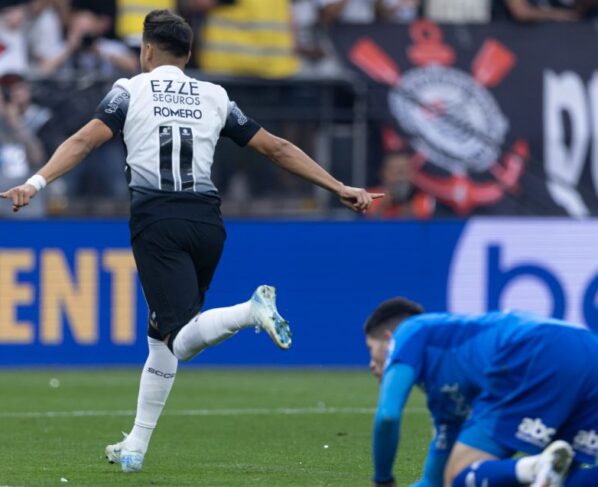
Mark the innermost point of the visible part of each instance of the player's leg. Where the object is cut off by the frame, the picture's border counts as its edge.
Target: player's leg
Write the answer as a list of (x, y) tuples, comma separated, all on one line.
[(479, 465), (157, 378), (523, 406), (582, 477), (482, 454), (581, 430), (547, 469), (215, 325), (168, 281), (462, 457)]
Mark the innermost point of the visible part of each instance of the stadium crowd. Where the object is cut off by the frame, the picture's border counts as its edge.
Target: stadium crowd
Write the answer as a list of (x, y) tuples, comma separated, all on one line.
[(58, 58)]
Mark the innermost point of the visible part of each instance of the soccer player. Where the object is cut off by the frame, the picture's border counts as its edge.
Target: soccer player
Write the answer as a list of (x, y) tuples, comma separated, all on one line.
[(496, 384), (170, 124)]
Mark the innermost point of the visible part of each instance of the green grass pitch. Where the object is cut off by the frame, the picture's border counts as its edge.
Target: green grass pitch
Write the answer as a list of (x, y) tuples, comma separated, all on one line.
[(220, 428)]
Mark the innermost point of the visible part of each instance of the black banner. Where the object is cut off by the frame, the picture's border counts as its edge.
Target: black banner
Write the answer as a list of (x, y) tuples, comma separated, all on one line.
[(498, 118)]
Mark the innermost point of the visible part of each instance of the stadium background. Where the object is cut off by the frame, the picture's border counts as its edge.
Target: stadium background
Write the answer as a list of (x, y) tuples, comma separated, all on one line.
[(460, 112)]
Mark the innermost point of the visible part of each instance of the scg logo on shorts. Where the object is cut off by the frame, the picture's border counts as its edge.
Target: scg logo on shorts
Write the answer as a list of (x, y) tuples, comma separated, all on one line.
[(534, 431), (545, 266)]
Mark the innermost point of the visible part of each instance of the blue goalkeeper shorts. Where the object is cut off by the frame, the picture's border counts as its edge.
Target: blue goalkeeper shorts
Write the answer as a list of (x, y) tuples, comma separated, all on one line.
[(539, 390)]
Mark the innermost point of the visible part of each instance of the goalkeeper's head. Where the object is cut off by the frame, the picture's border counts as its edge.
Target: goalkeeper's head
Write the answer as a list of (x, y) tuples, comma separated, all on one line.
[(380, 326)]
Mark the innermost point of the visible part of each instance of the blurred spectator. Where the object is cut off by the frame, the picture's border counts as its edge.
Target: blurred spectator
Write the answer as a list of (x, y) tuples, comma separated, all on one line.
[(21, 151), (400, 10), (311, 43), (195, 12), (402, 199), (33, 118), (87, 49), (249, 38), (458, 11), (367, 11), (538, 10), (63, 10), (349, 11), (130, 15), (97, 186), (44, 31), (13, 40), (103, 8)]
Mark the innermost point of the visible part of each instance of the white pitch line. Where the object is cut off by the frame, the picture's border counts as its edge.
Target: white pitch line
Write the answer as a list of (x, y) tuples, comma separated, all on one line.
[(200, 412)]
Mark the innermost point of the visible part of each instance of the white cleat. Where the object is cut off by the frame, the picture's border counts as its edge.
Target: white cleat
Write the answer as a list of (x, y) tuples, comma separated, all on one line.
[(130, 461), (113, 451), (266, 316), (553, 465)]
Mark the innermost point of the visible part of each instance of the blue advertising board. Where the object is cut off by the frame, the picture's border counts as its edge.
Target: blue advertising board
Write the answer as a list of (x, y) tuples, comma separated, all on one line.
[(69, 293)]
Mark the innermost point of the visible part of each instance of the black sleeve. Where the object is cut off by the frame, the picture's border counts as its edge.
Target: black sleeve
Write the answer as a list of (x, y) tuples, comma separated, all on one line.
[(238, 126), (112, 110)]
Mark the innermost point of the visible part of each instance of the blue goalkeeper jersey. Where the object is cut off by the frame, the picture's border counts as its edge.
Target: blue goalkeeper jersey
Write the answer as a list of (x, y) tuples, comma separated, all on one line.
[(451, 355), (460, 361)]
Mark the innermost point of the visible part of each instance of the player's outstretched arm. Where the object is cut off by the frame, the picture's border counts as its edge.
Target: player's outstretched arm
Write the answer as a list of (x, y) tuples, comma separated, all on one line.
[(70, 153), (438, 455), (397, 381), (289, 157)]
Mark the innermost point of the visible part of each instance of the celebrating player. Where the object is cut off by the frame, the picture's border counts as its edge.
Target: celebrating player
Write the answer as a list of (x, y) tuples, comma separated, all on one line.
[(170, 125), (496, 384)]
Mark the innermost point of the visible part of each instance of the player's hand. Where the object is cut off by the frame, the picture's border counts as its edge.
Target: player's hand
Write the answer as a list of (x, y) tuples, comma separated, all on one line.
[(19, 195), (357, 199)]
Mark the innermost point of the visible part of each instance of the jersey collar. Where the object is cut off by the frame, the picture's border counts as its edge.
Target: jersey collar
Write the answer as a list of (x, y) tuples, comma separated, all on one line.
[(167, 68)]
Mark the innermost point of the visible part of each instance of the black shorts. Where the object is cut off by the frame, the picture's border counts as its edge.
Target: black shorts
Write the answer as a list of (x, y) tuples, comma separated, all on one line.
[(176, 260)]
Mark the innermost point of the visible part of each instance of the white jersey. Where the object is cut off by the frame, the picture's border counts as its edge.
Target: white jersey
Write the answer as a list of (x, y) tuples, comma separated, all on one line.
[(171, 124)]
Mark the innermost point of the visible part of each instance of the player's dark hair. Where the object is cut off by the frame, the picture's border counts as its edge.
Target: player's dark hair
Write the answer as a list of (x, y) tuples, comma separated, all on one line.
[(389, 314), (168, 31)]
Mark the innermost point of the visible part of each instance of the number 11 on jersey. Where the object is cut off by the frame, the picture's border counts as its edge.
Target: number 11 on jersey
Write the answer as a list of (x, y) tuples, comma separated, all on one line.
[(167, 173)]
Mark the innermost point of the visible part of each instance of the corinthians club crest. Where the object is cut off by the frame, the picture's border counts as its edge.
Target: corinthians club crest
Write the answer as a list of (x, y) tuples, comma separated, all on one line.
[(452, 120)]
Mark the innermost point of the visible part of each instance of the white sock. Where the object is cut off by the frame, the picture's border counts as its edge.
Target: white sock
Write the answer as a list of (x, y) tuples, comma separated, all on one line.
[(210, 328), (157, 378), (525, 469)]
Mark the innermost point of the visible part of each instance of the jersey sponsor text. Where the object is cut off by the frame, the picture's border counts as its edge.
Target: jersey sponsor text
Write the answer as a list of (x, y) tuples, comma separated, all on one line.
[(534, 431)]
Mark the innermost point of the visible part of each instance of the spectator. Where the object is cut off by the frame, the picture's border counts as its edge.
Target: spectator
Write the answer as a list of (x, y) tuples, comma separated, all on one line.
[(400, 11), (97, 186), (249, 38), (21, 151), (102, 8), (350, 11), (87, 49), (539, 10), (33, 118), (13, 40), (130, 15), (63, 10), (194, 12), (44, 32), (458, 11), (311, 44), (402, 199)]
